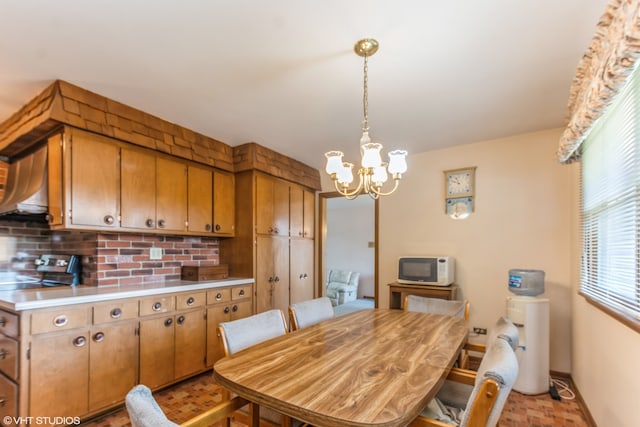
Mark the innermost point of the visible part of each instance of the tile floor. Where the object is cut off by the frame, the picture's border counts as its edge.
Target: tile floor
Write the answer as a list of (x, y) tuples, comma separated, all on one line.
[(183, 401)]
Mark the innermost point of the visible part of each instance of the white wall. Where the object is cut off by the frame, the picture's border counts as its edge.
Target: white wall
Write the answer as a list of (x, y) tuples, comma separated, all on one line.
[(521, 220), (350, 228)]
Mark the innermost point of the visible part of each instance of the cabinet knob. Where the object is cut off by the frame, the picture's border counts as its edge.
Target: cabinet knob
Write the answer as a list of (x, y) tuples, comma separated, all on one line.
[(234, 308), (218, 296), (149, 223), (218, 228), (305, 275), (156, 306), (116, 313), (301, 276), (98, 336), (241, 293), (108, 219), (207, 227), (270, 279), (277, 279), (226, 310), (190, 301), (275, 230), (161, 223), (300, 233), (3, 353), (60, 321), (168, 322), (180, 320), (79, 341), (270, 230)]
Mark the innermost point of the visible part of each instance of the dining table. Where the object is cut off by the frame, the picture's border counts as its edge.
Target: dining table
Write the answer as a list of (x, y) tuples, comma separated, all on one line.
[(374, 367)]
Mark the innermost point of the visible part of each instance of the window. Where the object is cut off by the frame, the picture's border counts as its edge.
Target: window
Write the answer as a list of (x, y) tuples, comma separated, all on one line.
[(611, 208)]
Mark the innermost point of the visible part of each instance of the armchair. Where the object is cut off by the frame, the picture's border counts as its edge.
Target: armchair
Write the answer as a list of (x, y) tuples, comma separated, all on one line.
[(342, 286)]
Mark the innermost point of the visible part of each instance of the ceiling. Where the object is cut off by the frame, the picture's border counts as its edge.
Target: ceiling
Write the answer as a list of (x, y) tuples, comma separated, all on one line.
[(283, 73)]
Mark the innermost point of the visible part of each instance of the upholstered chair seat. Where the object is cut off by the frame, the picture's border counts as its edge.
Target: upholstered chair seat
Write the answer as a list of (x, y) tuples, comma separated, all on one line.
[(310, 312)]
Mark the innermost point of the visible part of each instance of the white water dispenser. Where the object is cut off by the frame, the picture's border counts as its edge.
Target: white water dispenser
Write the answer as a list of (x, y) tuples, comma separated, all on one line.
[(530, 314)]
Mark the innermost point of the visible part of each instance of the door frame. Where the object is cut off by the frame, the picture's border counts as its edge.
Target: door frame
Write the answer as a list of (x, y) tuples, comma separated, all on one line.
[(322, 237)]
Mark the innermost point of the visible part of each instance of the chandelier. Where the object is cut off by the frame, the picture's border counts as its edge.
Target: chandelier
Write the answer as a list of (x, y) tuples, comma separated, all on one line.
[(372, 174)]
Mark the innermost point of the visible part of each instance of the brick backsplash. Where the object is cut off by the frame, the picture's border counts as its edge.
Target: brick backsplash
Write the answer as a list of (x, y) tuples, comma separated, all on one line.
[(107, 259)]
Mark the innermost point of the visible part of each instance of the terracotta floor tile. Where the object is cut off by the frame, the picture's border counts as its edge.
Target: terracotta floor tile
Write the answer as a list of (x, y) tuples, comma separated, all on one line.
[(182, 401)]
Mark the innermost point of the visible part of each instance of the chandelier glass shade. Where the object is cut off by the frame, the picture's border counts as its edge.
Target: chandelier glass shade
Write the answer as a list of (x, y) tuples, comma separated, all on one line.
[(373, 172)]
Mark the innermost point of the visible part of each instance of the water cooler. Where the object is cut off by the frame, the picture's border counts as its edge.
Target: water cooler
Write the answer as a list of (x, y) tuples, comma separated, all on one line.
[(531, 315)]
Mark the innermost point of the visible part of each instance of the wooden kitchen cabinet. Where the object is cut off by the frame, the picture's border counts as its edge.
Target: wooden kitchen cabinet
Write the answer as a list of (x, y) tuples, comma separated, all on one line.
[(272, 206), (223, 203), (153, 191), (302, 212), (224, 305), (301, 270), (200, 199), (272, 273), (157, 336), (91, 193)]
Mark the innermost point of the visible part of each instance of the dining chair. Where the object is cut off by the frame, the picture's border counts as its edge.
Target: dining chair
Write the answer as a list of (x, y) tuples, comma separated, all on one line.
[(144, 411), (240, 334), (474, 399), (437, 306), (310, 312)]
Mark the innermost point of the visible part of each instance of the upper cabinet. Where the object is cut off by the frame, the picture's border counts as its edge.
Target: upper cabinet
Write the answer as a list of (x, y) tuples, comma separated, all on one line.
[(99, 183), (272, 206), (302, 212)]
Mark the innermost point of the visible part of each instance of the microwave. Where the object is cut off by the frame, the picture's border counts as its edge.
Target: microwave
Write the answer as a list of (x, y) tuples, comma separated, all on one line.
[(426, 270)]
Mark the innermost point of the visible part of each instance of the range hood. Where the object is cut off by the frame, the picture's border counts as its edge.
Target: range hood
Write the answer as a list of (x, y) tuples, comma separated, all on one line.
[(26, 185)]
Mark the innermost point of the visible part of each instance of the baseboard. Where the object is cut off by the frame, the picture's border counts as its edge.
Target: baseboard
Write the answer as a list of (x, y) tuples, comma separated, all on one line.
[(583, 406)]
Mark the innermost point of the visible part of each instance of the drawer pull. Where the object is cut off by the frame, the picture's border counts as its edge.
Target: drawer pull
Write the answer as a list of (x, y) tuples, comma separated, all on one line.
[(180, 320), (226, 310), (235, 308), (116, 313), (108, 219), (168, 322), (190, 301), (207, 227), (218, 227), (218, 296), (241, 293), (3, 353), (98, 336), (80, 341), (161, 223), (156, 306), (149, 223), (60, 321)]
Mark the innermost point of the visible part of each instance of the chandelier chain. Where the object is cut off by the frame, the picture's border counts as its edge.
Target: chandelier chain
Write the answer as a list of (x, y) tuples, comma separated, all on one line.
[(365, 96)]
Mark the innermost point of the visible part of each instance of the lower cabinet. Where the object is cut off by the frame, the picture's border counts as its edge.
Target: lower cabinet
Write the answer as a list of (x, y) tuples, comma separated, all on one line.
[(82, 359)]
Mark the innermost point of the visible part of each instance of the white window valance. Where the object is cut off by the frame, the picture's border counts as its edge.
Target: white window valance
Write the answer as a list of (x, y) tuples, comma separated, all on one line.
[(601, 73)]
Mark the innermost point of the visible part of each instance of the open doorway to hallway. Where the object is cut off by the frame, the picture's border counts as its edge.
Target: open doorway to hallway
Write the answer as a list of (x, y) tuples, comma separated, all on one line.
[(348, 243)]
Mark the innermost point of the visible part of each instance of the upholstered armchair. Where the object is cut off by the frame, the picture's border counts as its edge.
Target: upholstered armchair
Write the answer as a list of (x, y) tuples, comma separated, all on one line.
[(342, 286)]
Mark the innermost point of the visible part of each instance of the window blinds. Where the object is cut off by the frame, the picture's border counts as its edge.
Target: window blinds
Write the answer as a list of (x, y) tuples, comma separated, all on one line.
[(611, 206)]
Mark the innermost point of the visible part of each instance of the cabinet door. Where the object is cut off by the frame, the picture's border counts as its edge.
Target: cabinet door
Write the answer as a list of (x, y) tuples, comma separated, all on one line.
[(190, 342), (215, 315), (156, 351), (281, 270), (296, 211), (264, 205), (200, 199), (265, 274), (94, 181), (281, 208), (223, 203), (171, 194), (59, 382), (113, 363), (309, 214), (301, 267), (138, 189)]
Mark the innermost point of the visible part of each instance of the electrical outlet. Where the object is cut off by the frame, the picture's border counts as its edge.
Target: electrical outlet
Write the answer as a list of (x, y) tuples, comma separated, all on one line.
[(155, 253), (480, 331)]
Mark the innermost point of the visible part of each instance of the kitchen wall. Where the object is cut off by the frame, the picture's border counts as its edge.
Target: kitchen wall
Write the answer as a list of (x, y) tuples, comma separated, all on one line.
[(522, 219), (108, 259)]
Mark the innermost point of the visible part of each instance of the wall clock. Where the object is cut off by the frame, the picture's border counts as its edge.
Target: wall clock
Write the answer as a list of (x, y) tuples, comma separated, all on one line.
[(459, 192)]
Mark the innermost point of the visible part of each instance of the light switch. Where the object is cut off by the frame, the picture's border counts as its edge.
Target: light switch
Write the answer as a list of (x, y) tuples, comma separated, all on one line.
[(155, 253)]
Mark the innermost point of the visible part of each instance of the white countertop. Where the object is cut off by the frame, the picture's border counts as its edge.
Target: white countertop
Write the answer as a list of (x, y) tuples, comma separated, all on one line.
[(27, 299)]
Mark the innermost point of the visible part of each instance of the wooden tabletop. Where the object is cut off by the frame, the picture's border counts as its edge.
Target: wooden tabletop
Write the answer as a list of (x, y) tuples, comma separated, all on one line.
[(369, 368)]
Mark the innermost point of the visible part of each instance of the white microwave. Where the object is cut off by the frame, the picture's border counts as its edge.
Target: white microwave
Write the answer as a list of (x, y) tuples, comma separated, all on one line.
[(426, 270)]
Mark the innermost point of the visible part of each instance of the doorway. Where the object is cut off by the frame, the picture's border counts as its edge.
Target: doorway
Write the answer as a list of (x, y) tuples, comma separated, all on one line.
[(348, 240)]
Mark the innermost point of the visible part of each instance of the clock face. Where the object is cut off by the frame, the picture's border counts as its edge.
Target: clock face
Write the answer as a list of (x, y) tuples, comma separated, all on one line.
[(459, 183)]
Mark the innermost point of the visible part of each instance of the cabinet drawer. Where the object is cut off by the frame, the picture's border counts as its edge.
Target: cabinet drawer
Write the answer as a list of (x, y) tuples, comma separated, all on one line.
[(218, 295), (8, 399), (9, 324), (191, 300), (241, 292), (9, 357), (59, 320), (115, 310), (156, 305)]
